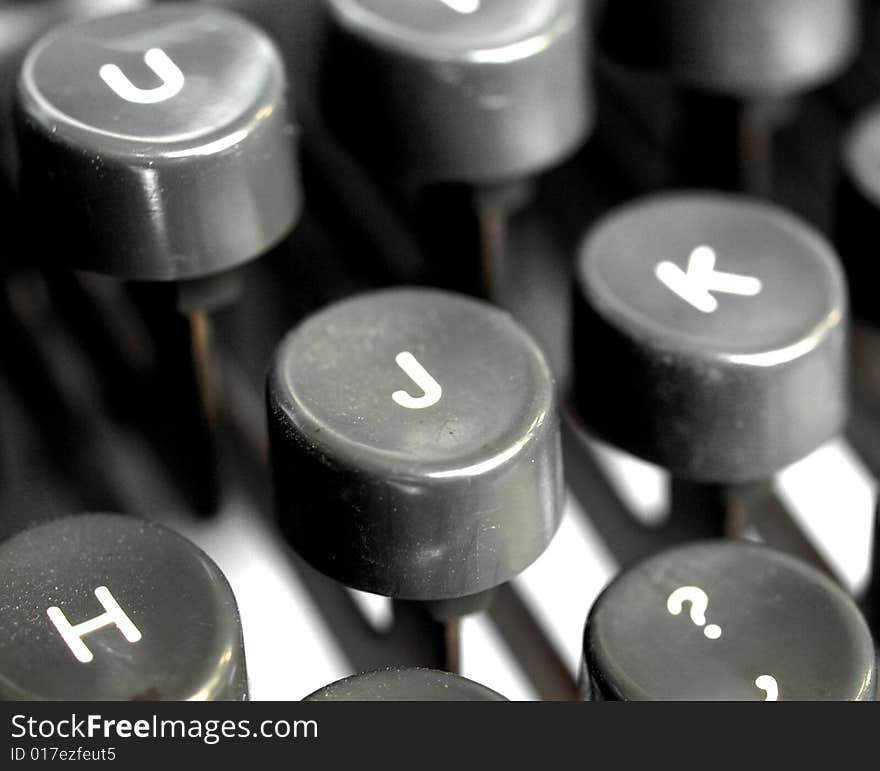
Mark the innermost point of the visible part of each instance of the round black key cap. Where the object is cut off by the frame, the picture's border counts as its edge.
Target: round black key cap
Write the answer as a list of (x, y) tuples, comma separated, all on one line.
[(405, 685), (710, 335), (415, 444), (460, 90), (157, 143), (741, 48), (858, 211), (101, 607), (726, 621)]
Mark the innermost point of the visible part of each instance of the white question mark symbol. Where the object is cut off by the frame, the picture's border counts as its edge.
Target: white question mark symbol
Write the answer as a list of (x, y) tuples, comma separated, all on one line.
[(699, 602)]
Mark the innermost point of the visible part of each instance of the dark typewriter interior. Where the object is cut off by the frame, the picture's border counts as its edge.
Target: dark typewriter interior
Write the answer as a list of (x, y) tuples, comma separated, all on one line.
[(148, 397)]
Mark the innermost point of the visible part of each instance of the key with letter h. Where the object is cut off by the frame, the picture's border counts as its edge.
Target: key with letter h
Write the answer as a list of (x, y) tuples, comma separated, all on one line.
[(113, 614), (171, 628)]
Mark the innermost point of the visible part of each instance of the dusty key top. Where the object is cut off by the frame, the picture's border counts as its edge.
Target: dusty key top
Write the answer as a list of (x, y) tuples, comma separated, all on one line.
[(710, 335), (398, 684), (158, 142), (465, 90), (100, 607), (415, 444), (726, 621)]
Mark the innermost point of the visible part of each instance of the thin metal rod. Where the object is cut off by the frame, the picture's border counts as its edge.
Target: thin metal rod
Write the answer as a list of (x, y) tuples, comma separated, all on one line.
[(492, 222), (452, 645), (179, 322), (727, 143), (206, 382), (755, 150), (494, 207), (699, 510)]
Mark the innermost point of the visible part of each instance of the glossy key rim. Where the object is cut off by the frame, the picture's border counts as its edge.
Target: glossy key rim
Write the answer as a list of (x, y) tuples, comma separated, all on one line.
[(521, 42)]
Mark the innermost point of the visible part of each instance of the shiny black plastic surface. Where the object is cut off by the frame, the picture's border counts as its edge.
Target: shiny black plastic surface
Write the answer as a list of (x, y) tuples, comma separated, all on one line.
[(727, 621), (101, 607), (157, 142), (710, 335), (415, 444)]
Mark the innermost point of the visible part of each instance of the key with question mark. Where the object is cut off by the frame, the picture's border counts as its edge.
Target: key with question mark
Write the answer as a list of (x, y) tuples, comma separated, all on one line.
[(634, 650), (699, 602)]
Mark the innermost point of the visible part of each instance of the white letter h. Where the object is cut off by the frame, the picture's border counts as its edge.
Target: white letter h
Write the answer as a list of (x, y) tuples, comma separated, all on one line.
[(72, 635)]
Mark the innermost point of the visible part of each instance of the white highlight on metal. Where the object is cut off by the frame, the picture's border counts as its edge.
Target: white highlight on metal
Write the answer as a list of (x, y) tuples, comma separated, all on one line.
[(699, 602), (160, 63), (790, 352), (768, 684), (462, 6), (484, 466), (422, 378), (72, 635), (701, 278)]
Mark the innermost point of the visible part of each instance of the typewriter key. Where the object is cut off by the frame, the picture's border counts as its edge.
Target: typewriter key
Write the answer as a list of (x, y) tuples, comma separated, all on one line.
[(101, 607), (736, 61), (159, 144), (710, 335), (405, 685), (415, 446), (726, 621), (463, 103), (437, 92)]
